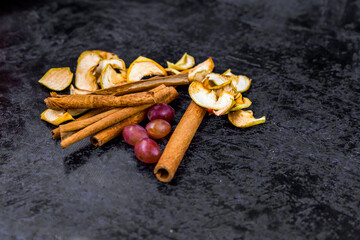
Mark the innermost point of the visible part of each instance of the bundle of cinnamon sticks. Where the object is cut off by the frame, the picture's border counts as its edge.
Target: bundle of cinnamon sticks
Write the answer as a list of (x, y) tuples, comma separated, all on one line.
[(112, 109)]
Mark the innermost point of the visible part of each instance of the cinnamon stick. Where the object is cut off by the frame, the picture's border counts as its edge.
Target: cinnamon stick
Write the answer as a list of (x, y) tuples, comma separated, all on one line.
[(160, 96), (110, 133), (73, 126), (179, 142), (143, 85), (56, 132), (99, 101)]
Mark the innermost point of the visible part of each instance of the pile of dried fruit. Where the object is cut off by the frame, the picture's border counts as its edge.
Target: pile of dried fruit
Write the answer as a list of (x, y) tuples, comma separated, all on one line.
[(119, 98)]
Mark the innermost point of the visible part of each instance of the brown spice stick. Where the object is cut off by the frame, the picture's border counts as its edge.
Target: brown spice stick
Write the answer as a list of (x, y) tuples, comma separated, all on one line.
[(56, 132), (99, 101), (143, 85), (110, 133), (162, 95), (179, 142), (73, 126)]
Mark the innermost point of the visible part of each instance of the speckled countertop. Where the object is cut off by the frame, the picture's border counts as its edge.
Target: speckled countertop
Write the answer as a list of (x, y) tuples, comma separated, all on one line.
[(295, 177)]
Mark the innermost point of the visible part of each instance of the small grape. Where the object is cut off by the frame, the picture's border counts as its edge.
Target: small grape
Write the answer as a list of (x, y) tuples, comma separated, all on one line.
[(158, 128), (161, 111), (147, 150), (133, 133)]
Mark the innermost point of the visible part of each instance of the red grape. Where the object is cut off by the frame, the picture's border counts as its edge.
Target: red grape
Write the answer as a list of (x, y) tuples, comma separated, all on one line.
[(161, 111), (158, 128), (133, 133), (147, 150)]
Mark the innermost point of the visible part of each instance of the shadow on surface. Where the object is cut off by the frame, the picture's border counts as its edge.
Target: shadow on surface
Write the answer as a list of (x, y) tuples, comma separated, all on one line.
[(78, 158)]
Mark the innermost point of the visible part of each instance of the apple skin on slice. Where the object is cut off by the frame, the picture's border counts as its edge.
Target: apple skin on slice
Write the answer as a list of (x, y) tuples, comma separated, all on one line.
[(57, 79), (55, 117)]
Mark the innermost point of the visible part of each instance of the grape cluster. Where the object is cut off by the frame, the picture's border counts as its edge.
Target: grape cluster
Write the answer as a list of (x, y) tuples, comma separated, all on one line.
[(146, 149)]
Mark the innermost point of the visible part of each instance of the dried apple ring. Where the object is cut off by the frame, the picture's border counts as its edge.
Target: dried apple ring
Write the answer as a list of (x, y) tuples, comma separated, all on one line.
[(57, 79), (55, 117)]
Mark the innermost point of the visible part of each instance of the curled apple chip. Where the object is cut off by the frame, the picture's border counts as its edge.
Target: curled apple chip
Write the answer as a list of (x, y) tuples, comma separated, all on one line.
[(199, 72), (207, 98), (184, 63), (171, 71), (85, 72), (244, 119), (109, 77), (241, 103), (118, 64), (228, 102), (57, 79), (55, 117), (77, 111), (241, 83), (201, 95), (142, 67), (216, 81), (227, 88)]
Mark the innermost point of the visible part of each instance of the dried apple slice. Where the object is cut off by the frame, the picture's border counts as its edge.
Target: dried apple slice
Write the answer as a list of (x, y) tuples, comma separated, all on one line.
[(216, 81), (77, 111), (201, 95), (227, 88), (207, 98), (115, 64), (55, 117), (184, 63), (57, 79), (244, 119), (201, 70), (109, 77), (229, 103), (241, 83), (228, 73), (171, 71), (240, 103), (85, 76), (142, 67)]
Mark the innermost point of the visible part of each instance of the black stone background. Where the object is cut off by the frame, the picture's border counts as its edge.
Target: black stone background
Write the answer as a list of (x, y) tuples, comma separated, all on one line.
[(295, 177)]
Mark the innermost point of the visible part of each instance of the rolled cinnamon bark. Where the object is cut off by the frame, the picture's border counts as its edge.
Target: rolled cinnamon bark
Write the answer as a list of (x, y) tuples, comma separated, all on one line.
[(99, 101), (112, 132), (179, 142), (160, 96), (56, 132), (143, 85), (73, 126)]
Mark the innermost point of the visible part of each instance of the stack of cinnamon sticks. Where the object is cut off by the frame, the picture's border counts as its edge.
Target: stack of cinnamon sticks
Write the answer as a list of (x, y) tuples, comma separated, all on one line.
[(112, 109)]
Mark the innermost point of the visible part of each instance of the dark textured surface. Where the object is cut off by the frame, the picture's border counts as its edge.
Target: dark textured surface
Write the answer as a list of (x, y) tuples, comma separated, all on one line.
[(295, 177)]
